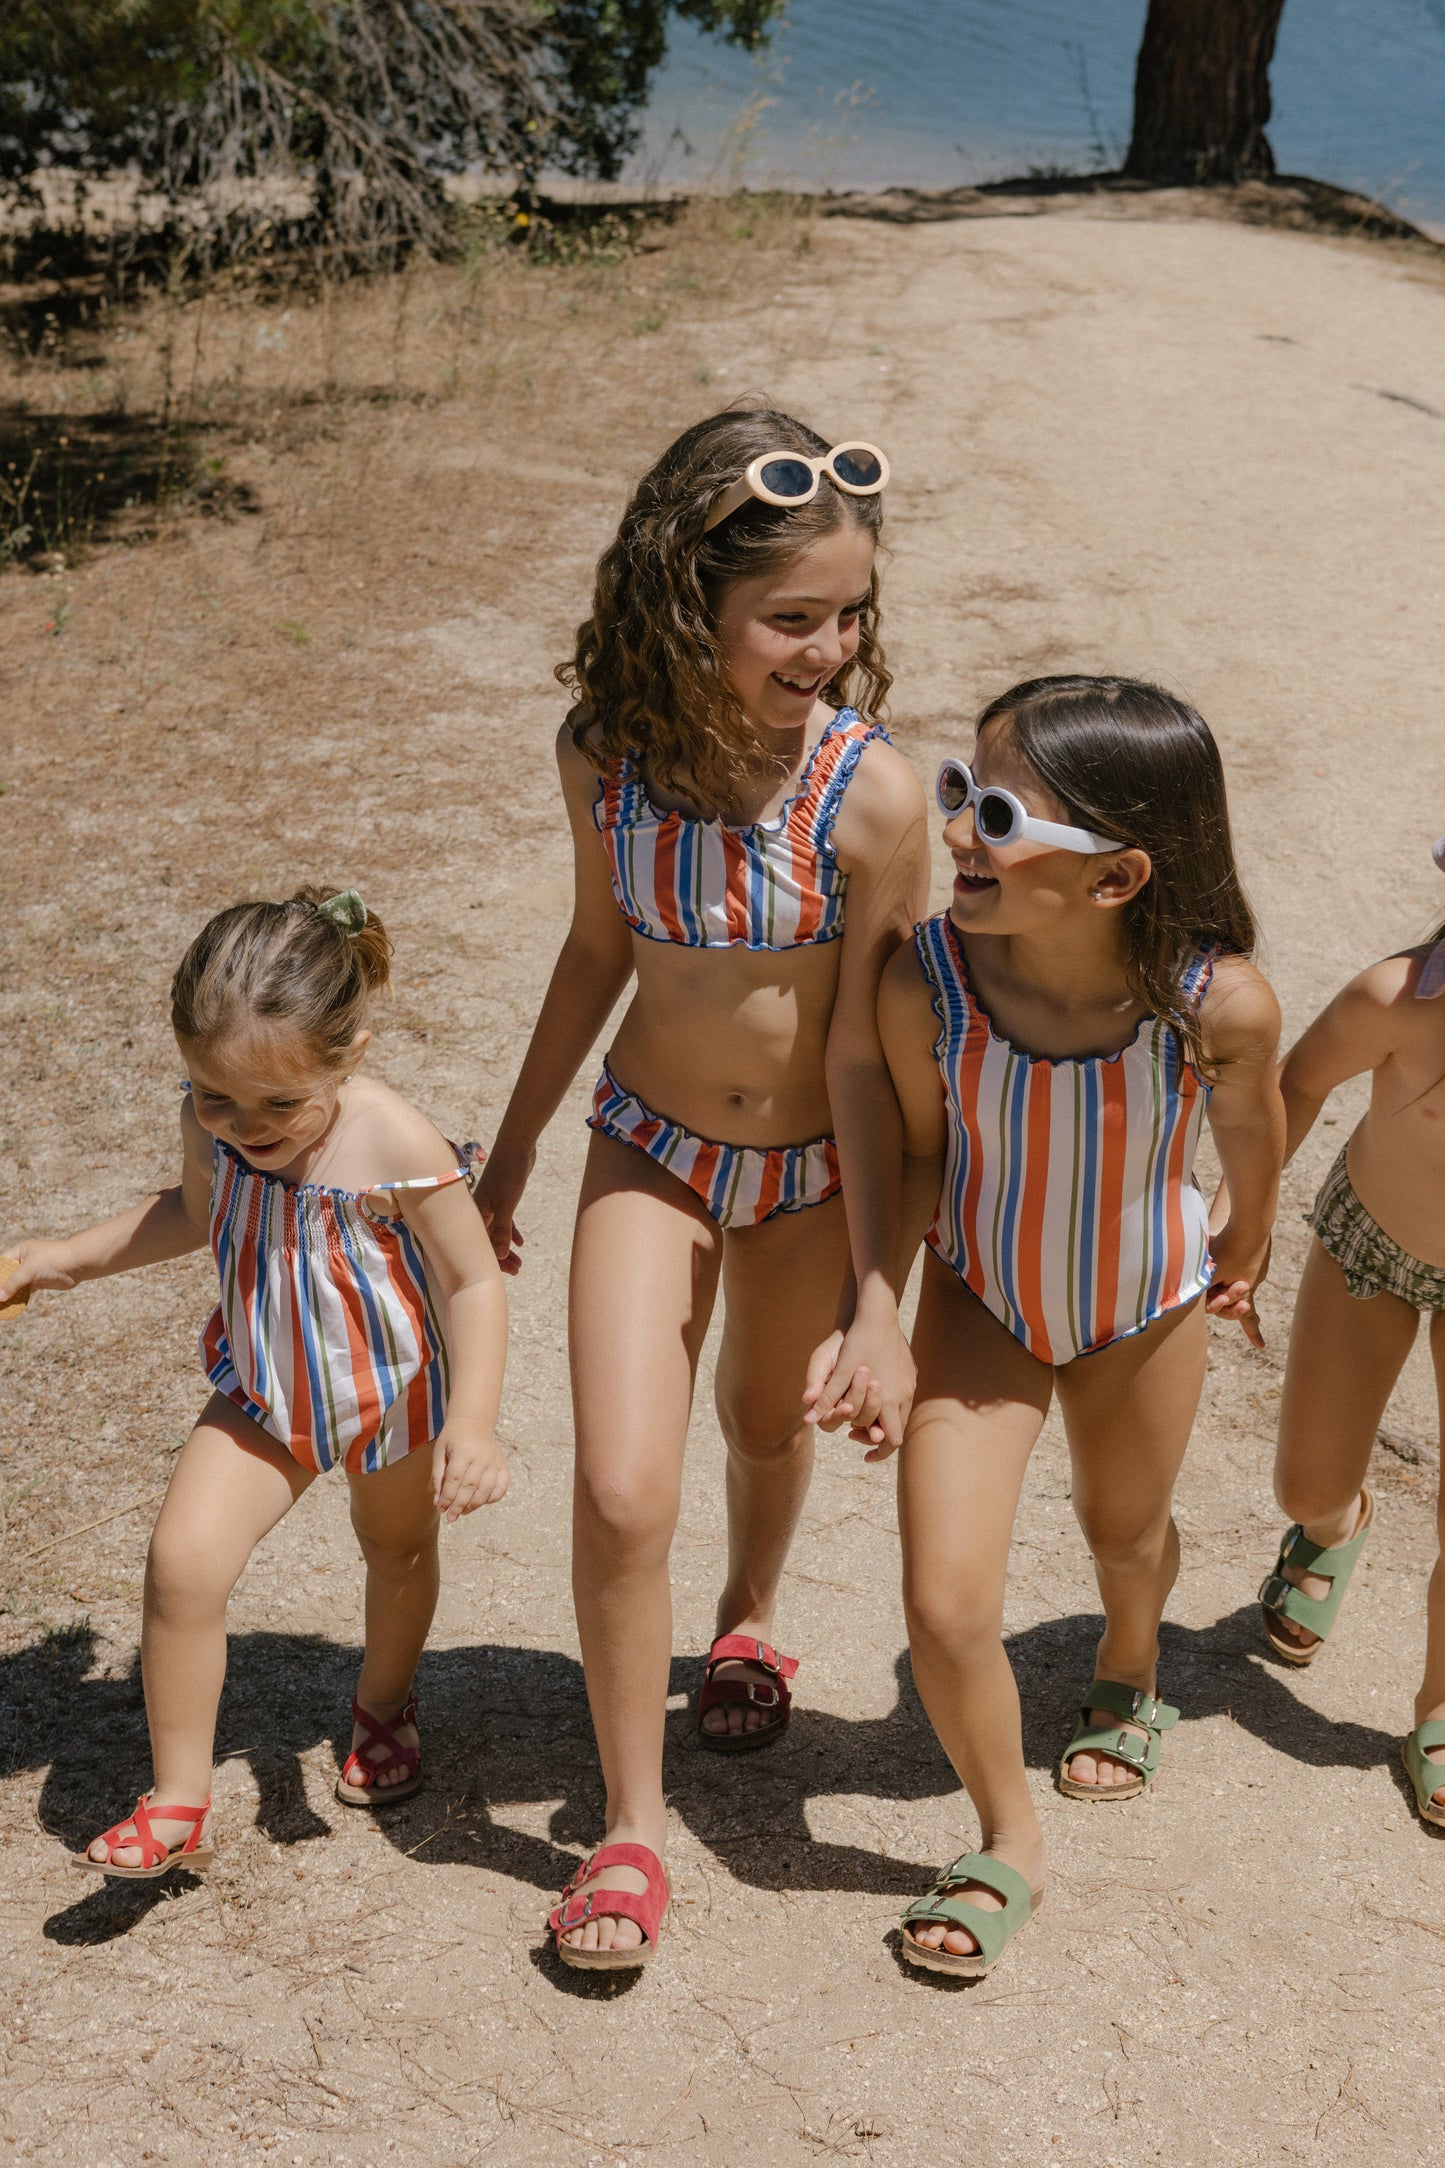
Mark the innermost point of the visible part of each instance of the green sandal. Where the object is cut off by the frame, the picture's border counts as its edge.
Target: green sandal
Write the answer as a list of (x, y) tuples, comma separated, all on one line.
[(1135, 1707), (1317, 1614), (1428, 1777), (992, 1931)]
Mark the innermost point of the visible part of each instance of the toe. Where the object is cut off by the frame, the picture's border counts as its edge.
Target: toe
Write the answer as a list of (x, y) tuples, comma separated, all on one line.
[(959, 1942)]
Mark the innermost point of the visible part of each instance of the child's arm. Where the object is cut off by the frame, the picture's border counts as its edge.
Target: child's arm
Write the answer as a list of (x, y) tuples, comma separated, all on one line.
[(1356, 1032), (168, 1224), (594, 965), (887, 859), (1246, 1117), (469, 1468), (910, 1165)]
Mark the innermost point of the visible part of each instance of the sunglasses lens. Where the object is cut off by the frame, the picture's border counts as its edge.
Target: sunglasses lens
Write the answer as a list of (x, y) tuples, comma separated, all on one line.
[(994, 817), (858, 467), (952, 788), (787, 478)]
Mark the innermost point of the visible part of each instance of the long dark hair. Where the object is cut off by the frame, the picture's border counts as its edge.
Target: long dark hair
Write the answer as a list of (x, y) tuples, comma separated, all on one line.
[(646, 675), (1128, 759)]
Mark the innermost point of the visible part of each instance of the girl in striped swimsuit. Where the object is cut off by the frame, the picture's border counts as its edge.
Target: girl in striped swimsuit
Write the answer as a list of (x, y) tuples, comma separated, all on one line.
[(749, 845), (1056, 1038), (361, 1322)]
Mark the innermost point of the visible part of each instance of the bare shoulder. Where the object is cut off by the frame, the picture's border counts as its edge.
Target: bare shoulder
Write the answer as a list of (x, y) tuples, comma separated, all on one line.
[(882, 812), (581, 779), (388, 1132), (1240, 1012), (197, 1144)]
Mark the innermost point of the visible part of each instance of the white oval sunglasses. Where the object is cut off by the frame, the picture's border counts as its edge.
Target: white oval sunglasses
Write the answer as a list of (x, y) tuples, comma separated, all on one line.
[(786, 478), (1002, 818)]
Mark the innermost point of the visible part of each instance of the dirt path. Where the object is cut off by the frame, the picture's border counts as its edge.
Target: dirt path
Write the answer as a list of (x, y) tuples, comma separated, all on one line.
[(1210, 453)]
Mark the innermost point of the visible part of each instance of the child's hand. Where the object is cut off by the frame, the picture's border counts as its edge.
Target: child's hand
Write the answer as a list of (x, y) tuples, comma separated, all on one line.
[(498, 1194), (1239, 1273), (468, 1468), (33, 1264), (864, 1377)]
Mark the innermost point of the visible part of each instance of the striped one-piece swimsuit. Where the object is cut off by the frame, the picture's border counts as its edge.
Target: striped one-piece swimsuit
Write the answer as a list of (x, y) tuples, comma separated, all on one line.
[(774, 885), (326, 1332), (1069, 1204)]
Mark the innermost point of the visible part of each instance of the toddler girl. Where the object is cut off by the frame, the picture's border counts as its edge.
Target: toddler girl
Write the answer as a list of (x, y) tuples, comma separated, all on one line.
[(749, 845), (1055, 1038), (1376, 1262), (361, 1320)]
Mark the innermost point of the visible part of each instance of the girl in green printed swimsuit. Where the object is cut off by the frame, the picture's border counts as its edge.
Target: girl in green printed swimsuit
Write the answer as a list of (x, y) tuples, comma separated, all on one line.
[(1376, 1262)]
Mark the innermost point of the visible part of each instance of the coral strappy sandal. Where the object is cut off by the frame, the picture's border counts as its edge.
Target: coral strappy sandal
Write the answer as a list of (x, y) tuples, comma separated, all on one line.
[(771, 1694), (135, 1833), (1428, 1777), (380, 1750), (581, 1902), (1317, 1614), (1130, 1705)]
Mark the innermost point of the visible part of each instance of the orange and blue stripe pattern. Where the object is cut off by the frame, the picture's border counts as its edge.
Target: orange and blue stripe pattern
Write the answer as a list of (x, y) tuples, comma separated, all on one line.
[(774, 885), (1069, 1204), (741, 1184), (326, 1333)]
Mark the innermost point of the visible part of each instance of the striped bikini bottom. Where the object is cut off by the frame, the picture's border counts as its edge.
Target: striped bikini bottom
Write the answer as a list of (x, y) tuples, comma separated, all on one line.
[(741, 1184)]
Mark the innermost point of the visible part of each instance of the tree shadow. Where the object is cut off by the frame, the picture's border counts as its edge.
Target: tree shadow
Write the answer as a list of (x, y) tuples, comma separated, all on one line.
[(509, 1727), (69, 480)]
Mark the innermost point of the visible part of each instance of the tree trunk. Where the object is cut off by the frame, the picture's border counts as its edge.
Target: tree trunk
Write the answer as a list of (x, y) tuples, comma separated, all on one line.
[(1201, 91)]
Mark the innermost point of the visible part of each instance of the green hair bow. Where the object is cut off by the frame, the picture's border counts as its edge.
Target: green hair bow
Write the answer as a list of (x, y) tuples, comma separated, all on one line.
[(346, 911)]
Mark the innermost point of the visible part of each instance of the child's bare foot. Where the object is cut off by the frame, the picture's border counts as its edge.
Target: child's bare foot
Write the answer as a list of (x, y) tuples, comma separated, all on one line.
[(1026, 1858), (1124, 1710), (406, 1735), (738, 1717), (1328, 1535)]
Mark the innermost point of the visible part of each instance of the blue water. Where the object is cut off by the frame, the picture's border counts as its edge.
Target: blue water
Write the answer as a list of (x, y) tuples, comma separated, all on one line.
[(931, 93)]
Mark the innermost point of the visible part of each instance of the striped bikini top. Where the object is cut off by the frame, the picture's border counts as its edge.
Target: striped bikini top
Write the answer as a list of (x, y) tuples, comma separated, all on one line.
[(773, 885), (326, 1331), (1069, 1204)]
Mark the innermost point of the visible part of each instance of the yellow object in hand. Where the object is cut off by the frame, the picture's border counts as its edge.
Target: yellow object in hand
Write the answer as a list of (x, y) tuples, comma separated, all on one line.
[(17, 1303)]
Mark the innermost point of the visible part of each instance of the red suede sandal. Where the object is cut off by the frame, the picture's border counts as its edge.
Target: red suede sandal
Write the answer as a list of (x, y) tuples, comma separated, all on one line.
[(581, 1903), (156, 1858), (379, 1750), (727, 1693)]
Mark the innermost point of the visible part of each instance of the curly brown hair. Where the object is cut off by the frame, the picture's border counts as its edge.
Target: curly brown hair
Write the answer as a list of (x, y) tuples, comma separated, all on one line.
[(647, 676), (1128, 759)]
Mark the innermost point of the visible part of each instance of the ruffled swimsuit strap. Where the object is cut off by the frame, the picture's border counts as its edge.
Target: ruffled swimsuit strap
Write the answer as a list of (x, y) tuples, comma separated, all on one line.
[(469, 1165)]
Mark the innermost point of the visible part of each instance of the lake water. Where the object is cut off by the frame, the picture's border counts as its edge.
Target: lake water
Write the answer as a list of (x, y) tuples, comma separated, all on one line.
[(931, 93)]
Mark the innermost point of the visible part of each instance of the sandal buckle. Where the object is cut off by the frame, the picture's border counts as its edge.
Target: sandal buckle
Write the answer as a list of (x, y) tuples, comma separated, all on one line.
[(767, 1656), (763, 1697), (566, 1925)]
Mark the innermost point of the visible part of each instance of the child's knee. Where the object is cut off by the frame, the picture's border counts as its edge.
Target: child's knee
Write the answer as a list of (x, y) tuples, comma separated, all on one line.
[(626, 1509), (182, 1575), (954, 1625), (1121, 1544), (1306, 1495), (758, 1431)]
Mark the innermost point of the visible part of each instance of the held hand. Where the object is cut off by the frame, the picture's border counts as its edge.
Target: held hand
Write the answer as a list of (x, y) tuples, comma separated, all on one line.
[(27, 1265), (469, 1469), (1239, 1273), (498, 1194), (865, 1378)]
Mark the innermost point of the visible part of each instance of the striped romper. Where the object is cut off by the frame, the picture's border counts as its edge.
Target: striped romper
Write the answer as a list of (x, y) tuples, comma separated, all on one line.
[(1069, 1204), (773, 885), (326, 1333)]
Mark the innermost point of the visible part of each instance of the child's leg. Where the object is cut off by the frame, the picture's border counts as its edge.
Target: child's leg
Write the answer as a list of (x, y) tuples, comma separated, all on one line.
[(230, 1485), (1128, 1411), (980, 1404), (1430, 1701), (1344, 1357), (644, 1274), (780, 1292), (396, 1525)]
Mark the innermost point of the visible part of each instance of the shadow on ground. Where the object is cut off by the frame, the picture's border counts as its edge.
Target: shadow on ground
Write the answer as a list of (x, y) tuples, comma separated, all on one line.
[(508, 1725)]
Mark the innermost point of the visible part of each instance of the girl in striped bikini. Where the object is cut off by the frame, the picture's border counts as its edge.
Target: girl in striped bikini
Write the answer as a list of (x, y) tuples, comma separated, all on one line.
[(361, 1321), (749, 845), (1056, 1038)]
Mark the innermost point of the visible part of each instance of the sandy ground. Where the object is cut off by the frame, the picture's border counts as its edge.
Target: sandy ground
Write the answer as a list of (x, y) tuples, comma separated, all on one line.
[(1211, 453)]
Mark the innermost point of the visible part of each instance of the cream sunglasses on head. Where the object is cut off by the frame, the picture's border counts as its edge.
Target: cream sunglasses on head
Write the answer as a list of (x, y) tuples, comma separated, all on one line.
[(787, 478)]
